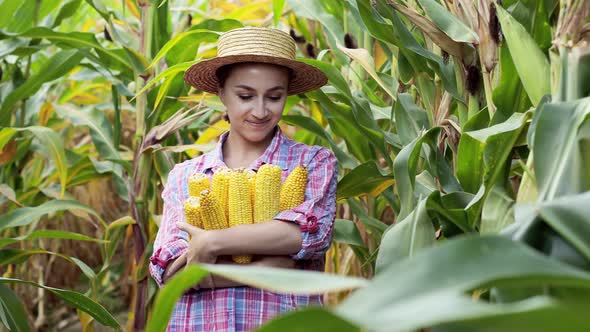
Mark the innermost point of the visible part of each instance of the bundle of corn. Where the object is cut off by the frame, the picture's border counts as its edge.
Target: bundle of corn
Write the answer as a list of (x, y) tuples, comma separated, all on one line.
[(242, 196)]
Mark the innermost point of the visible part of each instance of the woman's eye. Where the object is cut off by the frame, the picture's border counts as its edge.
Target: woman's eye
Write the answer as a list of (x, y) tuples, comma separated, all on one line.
[(245, 97), (275, 98)]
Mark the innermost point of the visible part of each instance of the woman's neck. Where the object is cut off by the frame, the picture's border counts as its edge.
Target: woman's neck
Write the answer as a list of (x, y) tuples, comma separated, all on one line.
[(239, 152)]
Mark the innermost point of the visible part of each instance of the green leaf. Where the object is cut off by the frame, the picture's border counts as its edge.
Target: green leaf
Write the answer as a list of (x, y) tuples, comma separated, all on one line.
[(186, 43), (277, 11), (559, 171), (497, 212), (12, 311), (568, 216), (404, 170), (17, 256), (55, 148), (530, 62), (482, 153), (365, 59), (409, 118), (57, 66), (345, 231), (311, 125), (364, 179), (82, 40), (18, 15), (99, 125), (286, 280), (50, 234), (6, 135), (314, 10), (509, 96), (27, 215), (434, 286), (167, 74), (76, 300), (334, 76), (406, 238), (451, 25), (309, 319), (374, 225), (169, 295), (68, 9)]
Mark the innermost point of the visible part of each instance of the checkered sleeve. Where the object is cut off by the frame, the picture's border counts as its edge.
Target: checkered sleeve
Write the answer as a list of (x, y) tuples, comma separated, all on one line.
[(315, 216), (170, 241)]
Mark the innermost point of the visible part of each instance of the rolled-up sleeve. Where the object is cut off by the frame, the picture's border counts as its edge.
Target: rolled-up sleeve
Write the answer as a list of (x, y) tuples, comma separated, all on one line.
[(170, 241), (315, 216)]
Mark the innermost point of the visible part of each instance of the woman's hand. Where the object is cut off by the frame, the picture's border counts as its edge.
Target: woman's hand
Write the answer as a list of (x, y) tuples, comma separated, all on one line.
[(173, 267), (200, 247), (283, 262)]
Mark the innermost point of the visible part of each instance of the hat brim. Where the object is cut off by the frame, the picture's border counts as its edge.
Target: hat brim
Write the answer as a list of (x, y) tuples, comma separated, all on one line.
[(202, 75)]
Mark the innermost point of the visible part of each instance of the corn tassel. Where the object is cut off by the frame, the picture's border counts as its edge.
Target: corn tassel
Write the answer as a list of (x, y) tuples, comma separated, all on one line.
[(293, 190), (240, 206), (266, 196), (197, 182), (211, 211), (220, 187)]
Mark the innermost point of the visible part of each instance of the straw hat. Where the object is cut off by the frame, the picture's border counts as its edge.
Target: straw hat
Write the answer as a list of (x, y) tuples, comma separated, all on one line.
[(252, 44)]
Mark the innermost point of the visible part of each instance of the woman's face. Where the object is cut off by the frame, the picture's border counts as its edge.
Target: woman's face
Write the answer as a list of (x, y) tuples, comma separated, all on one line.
[(254, 95)]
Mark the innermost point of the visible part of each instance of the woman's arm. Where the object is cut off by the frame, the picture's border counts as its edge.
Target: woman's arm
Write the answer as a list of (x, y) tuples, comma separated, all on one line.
[(268, 238)]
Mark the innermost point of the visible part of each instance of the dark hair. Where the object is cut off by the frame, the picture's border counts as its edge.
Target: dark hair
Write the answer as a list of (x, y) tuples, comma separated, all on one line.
[(223, 72)]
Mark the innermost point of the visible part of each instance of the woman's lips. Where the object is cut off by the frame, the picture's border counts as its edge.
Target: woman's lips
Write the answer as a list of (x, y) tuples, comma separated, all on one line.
[(258, 124)]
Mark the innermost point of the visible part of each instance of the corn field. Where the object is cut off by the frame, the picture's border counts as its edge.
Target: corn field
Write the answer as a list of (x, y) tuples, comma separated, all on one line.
[(462, 131)]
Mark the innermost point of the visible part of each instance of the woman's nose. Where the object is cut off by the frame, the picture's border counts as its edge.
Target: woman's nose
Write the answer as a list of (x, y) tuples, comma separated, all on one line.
[(259, 110)]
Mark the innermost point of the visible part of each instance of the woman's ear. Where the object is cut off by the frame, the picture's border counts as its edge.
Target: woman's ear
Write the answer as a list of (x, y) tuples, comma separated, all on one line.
[(221, 94)]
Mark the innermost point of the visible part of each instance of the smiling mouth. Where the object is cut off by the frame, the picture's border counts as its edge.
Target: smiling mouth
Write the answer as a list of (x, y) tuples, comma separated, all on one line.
[(260, 123)]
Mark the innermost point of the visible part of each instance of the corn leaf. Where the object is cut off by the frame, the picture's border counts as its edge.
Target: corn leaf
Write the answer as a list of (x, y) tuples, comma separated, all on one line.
[(309, 319), (559, 171), (12, 311), (57, 66), (448, 23), (405, 238), (366, 178), (27, 215), (436, 280), (76, 300), (530, 62)]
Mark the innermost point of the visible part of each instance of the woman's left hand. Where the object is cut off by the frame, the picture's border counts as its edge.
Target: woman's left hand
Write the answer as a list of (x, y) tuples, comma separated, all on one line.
[(199, 246)]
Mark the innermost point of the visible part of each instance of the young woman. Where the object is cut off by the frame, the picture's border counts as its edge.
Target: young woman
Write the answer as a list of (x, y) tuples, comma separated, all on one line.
[(253, 74)]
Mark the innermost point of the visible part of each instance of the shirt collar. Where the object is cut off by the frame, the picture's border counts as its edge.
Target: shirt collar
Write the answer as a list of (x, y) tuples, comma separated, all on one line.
[(214, 158)]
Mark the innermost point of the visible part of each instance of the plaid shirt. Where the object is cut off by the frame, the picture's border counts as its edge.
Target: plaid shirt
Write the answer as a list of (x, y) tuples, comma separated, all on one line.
[(245, 308)]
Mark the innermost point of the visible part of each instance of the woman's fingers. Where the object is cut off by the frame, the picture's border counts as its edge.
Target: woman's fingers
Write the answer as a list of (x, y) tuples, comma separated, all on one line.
[(192, 230), (174, 266)]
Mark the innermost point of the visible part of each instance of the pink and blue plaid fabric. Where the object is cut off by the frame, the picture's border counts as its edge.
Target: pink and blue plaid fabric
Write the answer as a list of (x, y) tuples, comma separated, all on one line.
[(245, 308)]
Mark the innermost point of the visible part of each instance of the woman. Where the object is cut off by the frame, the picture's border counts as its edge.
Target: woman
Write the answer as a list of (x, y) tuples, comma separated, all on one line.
[(253, 73)]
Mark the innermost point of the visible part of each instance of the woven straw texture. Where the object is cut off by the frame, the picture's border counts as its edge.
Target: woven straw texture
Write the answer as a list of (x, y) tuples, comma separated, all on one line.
[(253, 44)]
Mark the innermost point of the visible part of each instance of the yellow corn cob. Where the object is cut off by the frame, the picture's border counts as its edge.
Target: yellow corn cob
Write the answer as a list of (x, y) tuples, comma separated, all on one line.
[(293, 190), (220, 187), (192, 211), (240, 206), (212, 214), (252, 184), (266, 196), (197, 182)]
